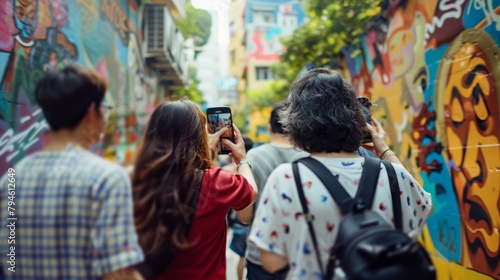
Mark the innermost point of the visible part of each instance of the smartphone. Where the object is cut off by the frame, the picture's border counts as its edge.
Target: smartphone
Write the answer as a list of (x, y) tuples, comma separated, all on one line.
[(218, 118)]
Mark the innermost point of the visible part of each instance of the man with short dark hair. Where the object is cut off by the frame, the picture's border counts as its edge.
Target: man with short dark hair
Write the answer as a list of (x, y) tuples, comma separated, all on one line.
[(73, 208), (264, 160)]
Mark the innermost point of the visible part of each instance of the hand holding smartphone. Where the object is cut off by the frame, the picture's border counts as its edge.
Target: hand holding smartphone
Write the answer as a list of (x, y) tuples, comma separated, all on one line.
[(366, 109), (218, 118)]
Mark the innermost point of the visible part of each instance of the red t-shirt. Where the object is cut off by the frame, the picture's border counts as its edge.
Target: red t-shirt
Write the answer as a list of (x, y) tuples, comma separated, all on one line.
[(220, 191)]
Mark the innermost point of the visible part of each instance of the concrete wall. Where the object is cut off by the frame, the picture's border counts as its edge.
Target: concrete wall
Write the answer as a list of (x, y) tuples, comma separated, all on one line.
[(43, 34), (432, 67)]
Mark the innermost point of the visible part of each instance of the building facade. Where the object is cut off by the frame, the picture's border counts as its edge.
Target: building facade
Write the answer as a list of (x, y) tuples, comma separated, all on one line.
[(266, 22), (237, 45), (257, 27), (105, 35)]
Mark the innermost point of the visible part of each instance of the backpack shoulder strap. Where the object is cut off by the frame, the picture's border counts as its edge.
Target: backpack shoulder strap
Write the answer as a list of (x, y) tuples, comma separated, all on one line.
[(396, 200), (339, 194), (307, 215), (368, 182)]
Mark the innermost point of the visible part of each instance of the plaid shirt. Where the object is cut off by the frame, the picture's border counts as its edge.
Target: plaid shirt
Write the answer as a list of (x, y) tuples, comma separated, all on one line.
[(74, 218)]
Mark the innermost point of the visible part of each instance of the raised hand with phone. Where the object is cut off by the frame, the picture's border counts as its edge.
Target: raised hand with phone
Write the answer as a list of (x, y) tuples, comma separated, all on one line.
[(237, 148), (239, 154), (218, 119), (224, 136), (221, 126), (214, 140)]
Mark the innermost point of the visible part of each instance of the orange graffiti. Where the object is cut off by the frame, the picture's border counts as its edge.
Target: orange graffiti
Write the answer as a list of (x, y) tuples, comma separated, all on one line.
[(117, 17), (64, 41), (472, 130)]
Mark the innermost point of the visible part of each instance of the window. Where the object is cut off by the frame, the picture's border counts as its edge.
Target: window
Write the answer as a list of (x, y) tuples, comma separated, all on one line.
[(263, 16), (263, 73), (233, 56), (290, 21), (232, 28)]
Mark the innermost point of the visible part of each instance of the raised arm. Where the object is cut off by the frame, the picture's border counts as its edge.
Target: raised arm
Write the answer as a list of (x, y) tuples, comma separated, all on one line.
[(240, 158), (380, 147)]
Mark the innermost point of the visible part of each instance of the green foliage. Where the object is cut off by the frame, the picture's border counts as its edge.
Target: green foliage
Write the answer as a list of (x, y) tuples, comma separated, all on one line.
[(268, 95), (240, 119), (191, 90), (256, 100), (196, 25), (331, 26)]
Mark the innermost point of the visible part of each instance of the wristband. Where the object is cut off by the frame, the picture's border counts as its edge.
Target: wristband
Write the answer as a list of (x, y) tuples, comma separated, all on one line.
[(390, 156), (382, 155), (246, 161)]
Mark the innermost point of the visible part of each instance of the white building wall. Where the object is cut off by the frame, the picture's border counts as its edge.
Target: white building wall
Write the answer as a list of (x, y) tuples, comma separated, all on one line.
[(207, 65), (211, 63)]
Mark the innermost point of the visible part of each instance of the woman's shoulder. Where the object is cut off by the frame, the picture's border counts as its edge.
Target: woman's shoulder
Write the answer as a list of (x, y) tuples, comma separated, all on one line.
[(403, 175), (221, 177), (214, 172), (282, 169)]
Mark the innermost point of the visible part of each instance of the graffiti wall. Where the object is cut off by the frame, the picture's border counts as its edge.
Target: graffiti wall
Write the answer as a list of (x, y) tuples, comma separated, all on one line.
[(433, 69), (39, 35)]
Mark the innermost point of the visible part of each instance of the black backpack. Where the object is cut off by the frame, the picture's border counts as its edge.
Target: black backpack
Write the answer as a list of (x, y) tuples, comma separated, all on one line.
[(367, 247)]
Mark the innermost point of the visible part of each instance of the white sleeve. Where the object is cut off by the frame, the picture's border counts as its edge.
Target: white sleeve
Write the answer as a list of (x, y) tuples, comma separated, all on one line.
[(416, 203), (266, 231)]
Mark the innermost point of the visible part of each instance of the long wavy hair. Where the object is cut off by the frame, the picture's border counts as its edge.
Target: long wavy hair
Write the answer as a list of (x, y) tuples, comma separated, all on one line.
[(175, 147)]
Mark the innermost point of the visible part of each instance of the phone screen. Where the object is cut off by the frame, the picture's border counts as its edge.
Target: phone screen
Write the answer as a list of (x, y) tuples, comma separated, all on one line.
[(218, 119)]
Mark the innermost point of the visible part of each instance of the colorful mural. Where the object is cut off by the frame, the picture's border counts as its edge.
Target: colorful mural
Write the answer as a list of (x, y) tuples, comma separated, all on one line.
[(39, 35), (264, 43), (263, 36), (432, 68)]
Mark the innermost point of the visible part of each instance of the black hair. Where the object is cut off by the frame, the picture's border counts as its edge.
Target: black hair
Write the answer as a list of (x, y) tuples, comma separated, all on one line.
[(274, 120), (322, 113), (65, 95), (248, 142)]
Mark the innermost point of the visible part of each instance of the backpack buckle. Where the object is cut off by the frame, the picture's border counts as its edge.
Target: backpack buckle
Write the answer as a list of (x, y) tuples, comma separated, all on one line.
[(307, 217), (358, 206)]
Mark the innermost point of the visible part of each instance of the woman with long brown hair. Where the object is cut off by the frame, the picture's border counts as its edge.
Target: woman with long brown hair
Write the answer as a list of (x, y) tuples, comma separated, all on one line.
[(174, 170)]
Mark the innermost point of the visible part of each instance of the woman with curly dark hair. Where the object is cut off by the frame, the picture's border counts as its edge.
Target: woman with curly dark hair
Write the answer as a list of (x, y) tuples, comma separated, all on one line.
[(181, 199), (323, 117)]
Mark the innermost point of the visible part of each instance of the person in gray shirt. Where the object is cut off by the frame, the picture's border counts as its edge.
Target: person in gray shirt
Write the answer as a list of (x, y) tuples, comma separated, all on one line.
[(264, 159)]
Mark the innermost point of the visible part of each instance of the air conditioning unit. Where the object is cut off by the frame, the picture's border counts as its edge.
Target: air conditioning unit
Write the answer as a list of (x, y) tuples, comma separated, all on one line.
[(158, 29), (163, 44)]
